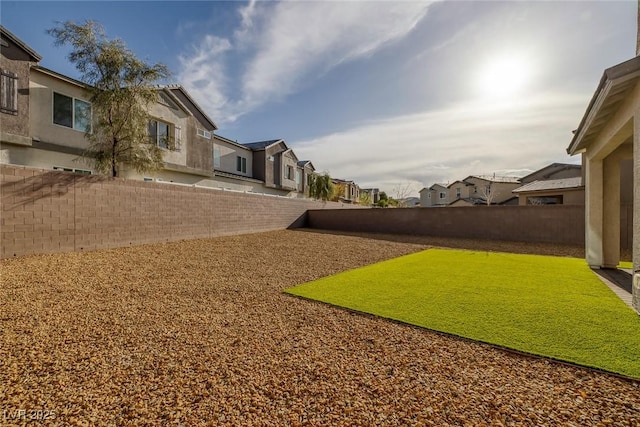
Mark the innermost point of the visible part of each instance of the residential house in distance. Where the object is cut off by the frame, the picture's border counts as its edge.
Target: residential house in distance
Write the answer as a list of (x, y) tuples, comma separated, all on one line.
[(45, 116), (477, 190), (279, 168), (434, 196), (350, 191), (555, 184), (553, 171)]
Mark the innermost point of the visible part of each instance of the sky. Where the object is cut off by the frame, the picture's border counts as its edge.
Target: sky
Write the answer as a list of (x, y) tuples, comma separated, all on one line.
[(390, 94)]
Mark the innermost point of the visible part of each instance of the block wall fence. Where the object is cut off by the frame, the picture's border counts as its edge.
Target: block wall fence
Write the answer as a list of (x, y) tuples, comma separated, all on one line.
[(561, 224), (44, 211)]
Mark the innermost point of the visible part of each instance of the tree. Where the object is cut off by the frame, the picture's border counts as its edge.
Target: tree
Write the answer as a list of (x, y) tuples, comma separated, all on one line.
[(320, 186), (365, 199), (489, 193), (402, 193), (121, 88), (338, 191)]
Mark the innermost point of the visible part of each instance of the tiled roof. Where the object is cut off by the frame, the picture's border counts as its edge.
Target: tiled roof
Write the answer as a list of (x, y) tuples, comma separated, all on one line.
[(552, 184), (493, 178)]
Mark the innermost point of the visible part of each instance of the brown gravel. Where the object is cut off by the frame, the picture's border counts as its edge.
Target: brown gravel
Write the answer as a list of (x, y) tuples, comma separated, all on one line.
[(199, 333)]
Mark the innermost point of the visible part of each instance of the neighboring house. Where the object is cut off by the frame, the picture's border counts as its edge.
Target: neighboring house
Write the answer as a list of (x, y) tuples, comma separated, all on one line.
[(47, 129), (553, 171), (45, 116), (278, 167), (350, 190), (303, 176), (16, 59), (481, 190), (409, 202), (374, 194), (565, 191), (436, 195), (609, 136), (233, 167)]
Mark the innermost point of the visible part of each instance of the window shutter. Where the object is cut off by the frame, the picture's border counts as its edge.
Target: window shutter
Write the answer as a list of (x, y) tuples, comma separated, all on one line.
[(8, 92), (178, 138)]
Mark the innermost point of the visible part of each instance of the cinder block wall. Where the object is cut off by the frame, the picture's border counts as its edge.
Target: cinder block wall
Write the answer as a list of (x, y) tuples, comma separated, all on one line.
[(562, 224), (45, 211)]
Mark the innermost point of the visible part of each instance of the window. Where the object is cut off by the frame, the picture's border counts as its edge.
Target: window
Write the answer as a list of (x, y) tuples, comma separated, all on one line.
[(289, 172), (159, 133), (71, 112), (298, 177), (443, 195), (79, 171), (428, 195), (241, 164), (8, 92), (216, 156), (458, 192), (204, 133)]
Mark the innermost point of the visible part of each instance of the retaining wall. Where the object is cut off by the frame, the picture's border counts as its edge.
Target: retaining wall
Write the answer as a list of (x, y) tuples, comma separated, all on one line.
[(562, 224), (46, 211)]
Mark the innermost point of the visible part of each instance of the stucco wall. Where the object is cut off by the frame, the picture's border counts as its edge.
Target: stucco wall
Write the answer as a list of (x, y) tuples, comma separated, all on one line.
[(46, 211), (554, 224), (16, 60), (228, 158)]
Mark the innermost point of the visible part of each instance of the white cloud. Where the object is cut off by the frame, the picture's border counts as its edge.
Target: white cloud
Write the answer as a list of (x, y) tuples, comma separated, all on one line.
[(445, 145), (281, 46)]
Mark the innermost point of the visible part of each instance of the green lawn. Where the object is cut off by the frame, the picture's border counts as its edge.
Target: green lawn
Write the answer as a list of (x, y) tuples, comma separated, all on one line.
[(625, 264), (550, 306)]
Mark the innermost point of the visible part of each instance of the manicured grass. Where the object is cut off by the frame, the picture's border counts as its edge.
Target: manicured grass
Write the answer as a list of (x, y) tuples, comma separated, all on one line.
[(625, 264), (549, 306)]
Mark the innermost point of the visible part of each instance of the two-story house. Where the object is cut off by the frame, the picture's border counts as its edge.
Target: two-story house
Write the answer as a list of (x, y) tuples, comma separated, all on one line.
[(51, 114), (349, 191), (483, 190), (434, 196)]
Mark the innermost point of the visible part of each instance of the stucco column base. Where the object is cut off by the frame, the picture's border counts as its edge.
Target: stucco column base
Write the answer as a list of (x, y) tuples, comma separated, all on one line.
[(635, 299)]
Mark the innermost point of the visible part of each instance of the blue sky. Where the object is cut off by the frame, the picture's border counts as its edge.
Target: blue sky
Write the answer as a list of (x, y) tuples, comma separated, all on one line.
[(389, 94)]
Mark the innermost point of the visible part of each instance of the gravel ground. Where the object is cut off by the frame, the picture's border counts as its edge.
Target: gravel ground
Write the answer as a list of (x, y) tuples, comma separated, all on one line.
[(199, 333)]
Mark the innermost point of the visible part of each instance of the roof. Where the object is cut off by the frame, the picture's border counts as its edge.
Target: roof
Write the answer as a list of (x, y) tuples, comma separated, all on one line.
[(609, 95), (497, 179), (192, 105), (555, 166), (551, 184), (61, 76), (261, 145), (471, 200), (230, 141), (303, 163), (461, 182), (444, 186), (9, 35)]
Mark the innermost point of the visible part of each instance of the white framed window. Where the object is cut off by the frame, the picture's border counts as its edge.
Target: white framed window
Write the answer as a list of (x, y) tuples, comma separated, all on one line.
[(204, 133), (298, 177), (216, 156), (8, 92), (458, 192), (159, 133), (71, 112), (241, 164), (443, 195), (78, 171), (288, 173), (428, 195)]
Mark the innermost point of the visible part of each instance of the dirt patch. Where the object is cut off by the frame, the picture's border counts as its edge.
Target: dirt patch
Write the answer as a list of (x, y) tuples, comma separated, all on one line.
[(199, 332)]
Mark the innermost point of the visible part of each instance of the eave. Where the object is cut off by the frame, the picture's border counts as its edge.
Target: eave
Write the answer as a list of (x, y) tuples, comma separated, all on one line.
[(613, 89)]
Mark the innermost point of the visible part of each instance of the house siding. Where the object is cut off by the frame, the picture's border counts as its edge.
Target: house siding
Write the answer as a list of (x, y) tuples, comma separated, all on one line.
[(16, 60)]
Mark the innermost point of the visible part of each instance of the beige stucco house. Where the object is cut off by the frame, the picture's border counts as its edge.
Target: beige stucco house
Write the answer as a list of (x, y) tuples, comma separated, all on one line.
[(350, 191), (609, 137), (434, 196), (481, 190)]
